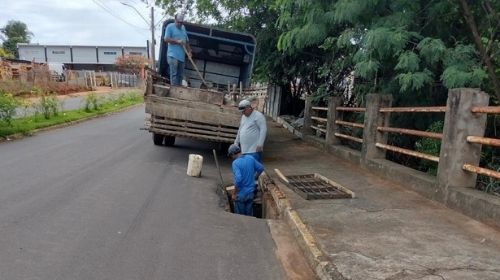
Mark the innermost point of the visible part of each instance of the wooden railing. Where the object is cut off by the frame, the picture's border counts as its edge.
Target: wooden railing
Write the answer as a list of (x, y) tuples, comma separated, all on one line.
[(483, 141), (340, 122), (319, 124), (460, 148), (412, 132)]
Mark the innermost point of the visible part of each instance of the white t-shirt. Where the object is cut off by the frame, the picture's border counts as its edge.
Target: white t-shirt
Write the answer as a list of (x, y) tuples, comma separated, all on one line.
[(252, 132)]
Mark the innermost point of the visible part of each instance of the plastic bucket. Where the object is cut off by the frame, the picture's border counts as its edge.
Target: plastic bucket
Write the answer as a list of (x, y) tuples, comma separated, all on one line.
[(194, 165)]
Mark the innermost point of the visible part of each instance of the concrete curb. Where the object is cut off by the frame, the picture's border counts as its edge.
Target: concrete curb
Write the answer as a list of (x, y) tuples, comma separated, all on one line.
[(289, 127), (317, 260), (19, 136)]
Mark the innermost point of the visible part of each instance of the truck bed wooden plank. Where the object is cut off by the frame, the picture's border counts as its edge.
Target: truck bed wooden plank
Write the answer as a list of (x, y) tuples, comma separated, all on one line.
[(194, 114), (191, 94), (196, 125), (193, 135), (193, 130)]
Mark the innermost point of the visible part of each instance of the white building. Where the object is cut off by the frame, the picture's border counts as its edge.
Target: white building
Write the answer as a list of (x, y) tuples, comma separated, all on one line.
[(78, 57)]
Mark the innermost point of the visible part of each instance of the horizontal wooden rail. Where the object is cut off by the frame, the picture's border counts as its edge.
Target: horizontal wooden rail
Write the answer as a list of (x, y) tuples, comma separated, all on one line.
[(427, 134), (353, 124), (355, 139), (351, 109), (320, 119), (407, 152), (320, 108), (440, 109), (484, 141), (482, 171), (318, 128), (487, 109)]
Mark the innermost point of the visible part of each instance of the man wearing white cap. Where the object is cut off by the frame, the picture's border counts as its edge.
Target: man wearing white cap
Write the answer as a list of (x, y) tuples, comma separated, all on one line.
[(252, 132), (177, 39)]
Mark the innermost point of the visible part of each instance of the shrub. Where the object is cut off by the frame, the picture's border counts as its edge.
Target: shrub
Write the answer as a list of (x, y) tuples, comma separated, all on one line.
[(430, 146), (48, 106), (91, 102), (8, 105)]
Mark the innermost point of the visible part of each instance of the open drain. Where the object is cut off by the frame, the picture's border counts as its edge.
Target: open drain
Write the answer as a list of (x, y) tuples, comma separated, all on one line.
[(257, 202), (315, 186)]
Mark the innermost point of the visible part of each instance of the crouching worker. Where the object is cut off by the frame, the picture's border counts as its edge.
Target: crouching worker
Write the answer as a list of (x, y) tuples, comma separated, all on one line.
[(245, 170)]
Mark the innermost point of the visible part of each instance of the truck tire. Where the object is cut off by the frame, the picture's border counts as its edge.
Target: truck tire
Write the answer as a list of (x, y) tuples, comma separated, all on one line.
[(169, 140), (158, 139)]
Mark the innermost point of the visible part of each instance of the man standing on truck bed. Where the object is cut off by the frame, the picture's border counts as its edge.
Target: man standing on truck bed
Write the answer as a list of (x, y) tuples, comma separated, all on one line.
[(252, 131), (177, 39)]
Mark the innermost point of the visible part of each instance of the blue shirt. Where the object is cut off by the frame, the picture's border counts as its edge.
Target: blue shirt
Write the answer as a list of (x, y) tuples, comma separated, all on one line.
[(244, 169), (174, 50)]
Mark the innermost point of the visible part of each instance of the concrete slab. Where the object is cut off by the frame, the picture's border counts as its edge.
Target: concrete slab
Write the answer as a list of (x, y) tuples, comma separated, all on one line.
[(388, 231)]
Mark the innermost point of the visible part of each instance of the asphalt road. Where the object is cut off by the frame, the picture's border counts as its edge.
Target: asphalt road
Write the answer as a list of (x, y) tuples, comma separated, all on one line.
[(99, 201)]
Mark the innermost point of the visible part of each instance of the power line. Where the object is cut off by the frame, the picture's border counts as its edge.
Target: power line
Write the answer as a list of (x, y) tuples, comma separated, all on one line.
[(161, 20), (109, 11)]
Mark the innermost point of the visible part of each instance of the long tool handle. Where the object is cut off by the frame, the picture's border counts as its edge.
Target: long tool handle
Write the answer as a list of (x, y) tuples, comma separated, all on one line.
[(282, 177), (218, 168), (194, 65)]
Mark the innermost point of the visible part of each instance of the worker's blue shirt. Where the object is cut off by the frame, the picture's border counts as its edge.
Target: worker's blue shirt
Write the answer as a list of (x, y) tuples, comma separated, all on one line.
[(174, 50), (244, 169)]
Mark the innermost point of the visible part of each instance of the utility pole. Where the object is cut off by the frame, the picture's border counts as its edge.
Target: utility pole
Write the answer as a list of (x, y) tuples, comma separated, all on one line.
[(152, 28), (153, 41)]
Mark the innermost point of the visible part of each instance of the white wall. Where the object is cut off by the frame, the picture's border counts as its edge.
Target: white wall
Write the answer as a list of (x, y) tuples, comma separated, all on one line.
[(85, 55), (31, 53), (58, 54), (108, 55)]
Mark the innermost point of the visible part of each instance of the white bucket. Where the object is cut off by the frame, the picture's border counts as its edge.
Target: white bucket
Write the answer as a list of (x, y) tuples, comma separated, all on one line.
[(194, 165)]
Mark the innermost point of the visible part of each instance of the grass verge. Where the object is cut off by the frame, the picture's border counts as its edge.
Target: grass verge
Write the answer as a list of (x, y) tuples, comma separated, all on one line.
[(27, 125)]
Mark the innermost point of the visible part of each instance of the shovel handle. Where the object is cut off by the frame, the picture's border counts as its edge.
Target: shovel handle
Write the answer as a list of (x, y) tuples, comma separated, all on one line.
[(194, 65)]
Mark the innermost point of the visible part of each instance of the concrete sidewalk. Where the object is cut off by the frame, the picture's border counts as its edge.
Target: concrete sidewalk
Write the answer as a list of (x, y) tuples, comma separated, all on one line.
[(386, 232)]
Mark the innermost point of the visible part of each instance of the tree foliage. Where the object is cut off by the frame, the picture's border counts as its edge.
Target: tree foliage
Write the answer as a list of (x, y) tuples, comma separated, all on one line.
[(15, 32), (403, 47)]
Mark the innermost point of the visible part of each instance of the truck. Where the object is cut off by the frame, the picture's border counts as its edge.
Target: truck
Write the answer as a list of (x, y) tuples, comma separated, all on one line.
[(224, 60)]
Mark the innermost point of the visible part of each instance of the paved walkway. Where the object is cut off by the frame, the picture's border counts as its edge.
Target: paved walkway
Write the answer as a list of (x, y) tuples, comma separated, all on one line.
[(387, 231)]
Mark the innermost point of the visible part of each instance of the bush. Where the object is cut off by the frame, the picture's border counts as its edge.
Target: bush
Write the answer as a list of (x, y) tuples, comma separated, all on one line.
[(91, 102), (48, 106), (8, 105), (430, 146)]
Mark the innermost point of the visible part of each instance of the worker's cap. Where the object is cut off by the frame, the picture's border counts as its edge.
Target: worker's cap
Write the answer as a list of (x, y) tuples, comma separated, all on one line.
[(233, 149), (244, 104), (179, 17)]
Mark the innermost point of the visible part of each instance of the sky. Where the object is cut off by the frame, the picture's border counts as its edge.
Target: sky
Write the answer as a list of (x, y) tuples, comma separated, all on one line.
[(83, 22)]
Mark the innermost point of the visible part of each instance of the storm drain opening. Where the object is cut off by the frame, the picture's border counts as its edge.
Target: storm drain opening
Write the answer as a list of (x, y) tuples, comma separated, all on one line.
[(263, 206), (315, 186)]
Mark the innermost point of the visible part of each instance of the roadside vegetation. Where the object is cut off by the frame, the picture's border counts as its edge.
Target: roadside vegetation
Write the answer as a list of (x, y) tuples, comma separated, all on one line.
[(48, 111)]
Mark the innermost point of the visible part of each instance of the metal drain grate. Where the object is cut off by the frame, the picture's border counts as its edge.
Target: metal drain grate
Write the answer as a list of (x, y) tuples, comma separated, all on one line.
[(316, 186)]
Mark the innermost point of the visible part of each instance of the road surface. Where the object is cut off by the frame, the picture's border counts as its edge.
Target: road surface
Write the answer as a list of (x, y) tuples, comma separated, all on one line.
[(99, 201)]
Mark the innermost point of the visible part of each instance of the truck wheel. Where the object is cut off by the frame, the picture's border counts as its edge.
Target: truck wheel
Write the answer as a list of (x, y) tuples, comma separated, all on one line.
[(169, 140), (158, 139)]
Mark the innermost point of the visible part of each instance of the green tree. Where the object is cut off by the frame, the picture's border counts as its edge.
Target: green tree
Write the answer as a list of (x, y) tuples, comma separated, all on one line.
[(15, 32), (5, 54)]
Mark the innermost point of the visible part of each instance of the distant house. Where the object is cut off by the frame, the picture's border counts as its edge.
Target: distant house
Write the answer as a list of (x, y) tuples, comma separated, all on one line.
[(98, 58)]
